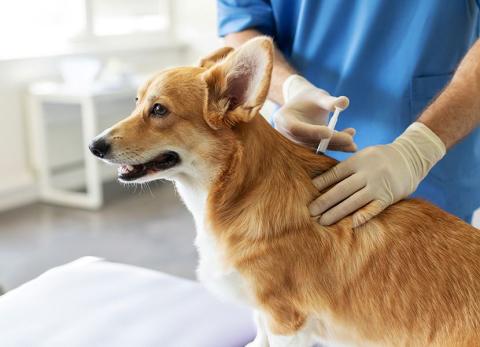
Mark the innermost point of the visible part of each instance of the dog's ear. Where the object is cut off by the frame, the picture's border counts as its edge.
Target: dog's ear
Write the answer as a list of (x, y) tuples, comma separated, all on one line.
[(237, 86), (214, 57)]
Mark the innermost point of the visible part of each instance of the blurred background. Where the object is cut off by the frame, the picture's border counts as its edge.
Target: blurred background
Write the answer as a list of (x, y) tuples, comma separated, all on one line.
[(69, 69)]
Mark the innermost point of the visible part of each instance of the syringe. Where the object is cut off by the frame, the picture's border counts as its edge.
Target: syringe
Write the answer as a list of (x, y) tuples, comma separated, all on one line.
[(322, 146)]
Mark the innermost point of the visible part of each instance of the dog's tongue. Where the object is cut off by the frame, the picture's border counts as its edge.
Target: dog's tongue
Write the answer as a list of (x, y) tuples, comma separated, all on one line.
[(130, 169)]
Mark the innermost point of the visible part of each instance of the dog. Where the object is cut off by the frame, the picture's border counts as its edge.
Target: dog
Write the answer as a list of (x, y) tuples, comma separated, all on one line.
[(408, 277)]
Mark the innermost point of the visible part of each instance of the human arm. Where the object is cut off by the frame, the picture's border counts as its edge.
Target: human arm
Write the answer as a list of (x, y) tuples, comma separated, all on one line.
[(456, 111), (382, 175)]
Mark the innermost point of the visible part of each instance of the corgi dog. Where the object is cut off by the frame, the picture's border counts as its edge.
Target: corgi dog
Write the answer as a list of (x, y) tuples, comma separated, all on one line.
[(408, 277)]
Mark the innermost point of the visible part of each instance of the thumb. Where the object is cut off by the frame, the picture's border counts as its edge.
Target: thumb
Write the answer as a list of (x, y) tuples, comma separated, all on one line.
[(329, 102), (341, 102)]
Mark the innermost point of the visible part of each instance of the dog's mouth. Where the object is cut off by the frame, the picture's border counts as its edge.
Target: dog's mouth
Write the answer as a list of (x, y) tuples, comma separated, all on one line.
[(164, 161)]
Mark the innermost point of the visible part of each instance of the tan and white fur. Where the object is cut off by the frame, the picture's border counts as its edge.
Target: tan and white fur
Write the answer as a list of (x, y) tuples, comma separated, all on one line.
[(408, 277)]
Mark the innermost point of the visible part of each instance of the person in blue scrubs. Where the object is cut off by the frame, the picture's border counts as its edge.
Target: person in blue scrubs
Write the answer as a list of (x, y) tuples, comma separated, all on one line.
[(392, 59)]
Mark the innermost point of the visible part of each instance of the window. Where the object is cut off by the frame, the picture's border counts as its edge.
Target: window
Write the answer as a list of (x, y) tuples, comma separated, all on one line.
[(33, 27), (114, 17)]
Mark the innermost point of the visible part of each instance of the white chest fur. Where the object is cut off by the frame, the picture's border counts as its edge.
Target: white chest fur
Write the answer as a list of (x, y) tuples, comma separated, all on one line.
[(218, 277)]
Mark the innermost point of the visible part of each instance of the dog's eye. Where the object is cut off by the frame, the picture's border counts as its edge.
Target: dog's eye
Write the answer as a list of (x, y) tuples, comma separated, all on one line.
[(158, 110)]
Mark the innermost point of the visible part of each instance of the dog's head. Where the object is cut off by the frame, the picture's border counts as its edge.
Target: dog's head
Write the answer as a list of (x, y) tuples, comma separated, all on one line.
[(185, 117)]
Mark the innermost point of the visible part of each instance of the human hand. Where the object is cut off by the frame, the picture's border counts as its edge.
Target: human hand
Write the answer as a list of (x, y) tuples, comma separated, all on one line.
[(377, 177), (303, 118)]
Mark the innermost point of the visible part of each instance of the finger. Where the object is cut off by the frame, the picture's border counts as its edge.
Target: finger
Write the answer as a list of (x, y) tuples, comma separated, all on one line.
[(314, 144), (338, 193), (350, 131), (346, 207), (297, 139), (308, 131), (341, 138), (340, 141), (334, 175), (368, 212), (339, 146), (348, 148)]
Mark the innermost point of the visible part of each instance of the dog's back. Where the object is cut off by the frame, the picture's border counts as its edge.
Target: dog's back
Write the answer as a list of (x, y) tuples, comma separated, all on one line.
[(410, 276), (417, 278)]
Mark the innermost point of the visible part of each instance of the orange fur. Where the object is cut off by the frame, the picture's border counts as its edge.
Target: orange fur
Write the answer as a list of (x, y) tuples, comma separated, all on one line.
[(410, 276)]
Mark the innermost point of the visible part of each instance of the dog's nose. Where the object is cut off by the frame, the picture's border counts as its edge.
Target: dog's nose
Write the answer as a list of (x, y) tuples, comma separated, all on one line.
[(99, 147)]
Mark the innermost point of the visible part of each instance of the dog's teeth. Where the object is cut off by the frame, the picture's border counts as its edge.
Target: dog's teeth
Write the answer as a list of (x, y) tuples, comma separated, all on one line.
[(129, 167), (123, 169)]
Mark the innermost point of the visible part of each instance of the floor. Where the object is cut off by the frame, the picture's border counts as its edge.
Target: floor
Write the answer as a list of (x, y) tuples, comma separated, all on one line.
[(149, 228)]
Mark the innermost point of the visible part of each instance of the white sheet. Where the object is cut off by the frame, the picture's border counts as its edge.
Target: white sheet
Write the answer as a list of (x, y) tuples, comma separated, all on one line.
[(91, 302)]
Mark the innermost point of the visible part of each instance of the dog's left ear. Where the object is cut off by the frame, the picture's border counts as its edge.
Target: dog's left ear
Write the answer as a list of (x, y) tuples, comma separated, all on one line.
[(237, 86)]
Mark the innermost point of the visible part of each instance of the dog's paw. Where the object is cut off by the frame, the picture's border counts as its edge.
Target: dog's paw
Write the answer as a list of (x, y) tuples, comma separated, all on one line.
[(258, 343)]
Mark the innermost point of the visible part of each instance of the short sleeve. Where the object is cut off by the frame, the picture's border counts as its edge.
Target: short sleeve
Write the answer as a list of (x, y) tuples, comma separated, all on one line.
[(238, 15)]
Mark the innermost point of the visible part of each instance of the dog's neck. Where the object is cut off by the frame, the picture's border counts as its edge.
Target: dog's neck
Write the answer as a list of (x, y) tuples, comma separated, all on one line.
[(263, 181), (265, 186)]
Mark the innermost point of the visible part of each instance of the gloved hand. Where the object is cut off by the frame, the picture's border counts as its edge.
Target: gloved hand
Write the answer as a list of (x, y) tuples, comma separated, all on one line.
[(304, 116), (377, 177)]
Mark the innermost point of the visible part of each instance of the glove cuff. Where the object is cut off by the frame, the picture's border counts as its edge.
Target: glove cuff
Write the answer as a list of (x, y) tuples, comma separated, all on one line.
[(421, 148)]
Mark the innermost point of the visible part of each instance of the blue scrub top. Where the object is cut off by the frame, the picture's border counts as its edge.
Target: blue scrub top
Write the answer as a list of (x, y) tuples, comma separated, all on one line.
[(389, 57)]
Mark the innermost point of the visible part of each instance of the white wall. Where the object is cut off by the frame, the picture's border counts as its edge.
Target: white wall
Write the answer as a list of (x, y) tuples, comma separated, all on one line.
[(194, 23), (17, 177)]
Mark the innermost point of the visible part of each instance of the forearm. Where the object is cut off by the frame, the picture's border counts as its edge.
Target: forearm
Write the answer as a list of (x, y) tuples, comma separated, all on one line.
[(456, 111), (281, 68)]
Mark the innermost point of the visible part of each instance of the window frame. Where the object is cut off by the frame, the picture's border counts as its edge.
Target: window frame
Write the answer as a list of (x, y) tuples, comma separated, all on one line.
[(89, 30), (86, 42)]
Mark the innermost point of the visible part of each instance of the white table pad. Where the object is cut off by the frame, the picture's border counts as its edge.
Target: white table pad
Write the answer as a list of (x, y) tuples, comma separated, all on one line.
[(91, 302)]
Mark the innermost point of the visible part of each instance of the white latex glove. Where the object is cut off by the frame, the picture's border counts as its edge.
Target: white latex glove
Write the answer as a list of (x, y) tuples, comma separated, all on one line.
[(377, 177), (304, 115)]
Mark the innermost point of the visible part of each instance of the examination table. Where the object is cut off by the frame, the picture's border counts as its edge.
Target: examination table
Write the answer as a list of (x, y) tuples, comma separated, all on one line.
[(91, 302)]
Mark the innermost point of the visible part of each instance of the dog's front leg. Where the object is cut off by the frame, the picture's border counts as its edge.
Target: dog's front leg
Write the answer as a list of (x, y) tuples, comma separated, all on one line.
[(261, 340), (302, 337), (299, 339), (266, 338), (285, 327)]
